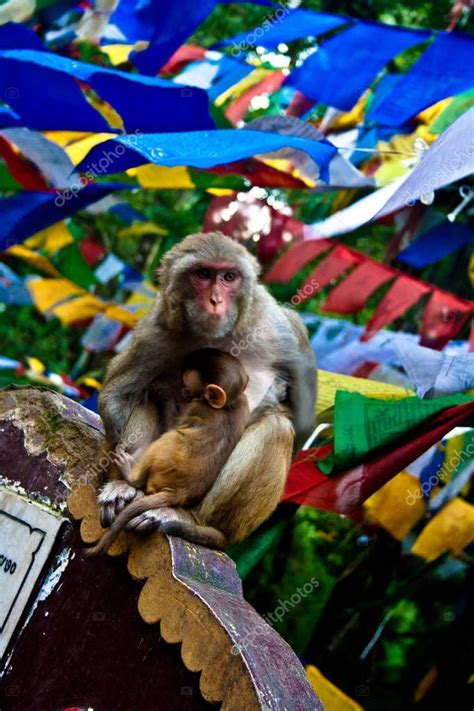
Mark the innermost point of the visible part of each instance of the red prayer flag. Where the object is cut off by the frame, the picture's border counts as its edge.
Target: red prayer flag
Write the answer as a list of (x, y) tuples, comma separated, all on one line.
[(184, 55), (351, 294), (258, 173), (91, 251), (403, 294), (444, 316), (291, 262), (22, 169), (268, 85), (332, 266), (299, 105)]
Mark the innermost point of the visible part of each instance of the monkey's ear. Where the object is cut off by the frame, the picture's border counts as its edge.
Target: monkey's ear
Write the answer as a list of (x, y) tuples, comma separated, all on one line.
[(215, 396)]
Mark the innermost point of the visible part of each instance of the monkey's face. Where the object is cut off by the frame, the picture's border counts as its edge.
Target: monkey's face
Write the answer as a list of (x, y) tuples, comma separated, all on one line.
[(215, 287)]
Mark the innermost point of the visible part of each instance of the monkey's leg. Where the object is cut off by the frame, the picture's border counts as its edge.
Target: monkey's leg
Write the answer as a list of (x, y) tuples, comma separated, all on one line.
[(141, 430), (244, 494)]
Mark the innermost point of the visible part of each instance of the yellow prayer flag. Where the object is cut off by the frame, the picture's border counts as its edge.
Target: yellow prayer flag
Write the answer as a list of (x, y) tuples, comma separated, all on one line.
[(48, 292), (219, 192), (233, 92), (117, 53), (64, 138), (80, 309), (351, 118), (106, 110), (118, 313), (142, 228), (162, 177), (52, 239), (79, 149), (37, 261), (470, 269), (35, 365), (429, 115), (397, 506), (329, 383), (89, 382), (451, 529), (332, 698)]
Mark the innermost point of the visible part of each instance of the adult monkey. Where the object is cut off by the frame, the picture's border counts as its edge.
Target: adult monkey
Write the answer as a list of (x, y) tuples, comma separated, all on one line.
[(210, 297)]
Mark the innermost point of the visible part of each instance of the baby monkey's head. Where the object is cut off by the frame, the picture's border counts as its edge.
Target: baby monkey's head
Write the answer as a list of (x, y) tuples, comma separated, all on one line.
[(216, 376)]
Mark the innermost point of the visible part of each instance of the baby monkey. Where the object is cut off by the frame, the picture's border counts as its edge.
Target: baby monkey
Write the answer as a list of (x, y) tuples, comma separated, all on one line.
[(180, 467)]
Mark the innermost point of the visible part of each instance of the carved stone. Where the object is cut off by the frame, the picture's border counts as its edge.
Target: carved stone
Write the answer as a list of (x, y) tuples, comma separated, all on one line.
[(81, 641)]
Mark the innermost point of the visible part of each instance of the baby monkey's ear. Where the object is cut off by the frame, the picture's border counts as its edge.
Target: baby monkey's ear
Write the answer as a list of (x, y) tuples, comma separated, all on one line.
[(215, 396)]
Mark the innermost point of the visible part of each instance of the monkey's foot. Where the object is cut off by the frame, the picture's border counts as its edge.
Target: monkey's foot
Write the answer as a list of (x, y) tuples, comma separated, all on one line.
[(155, 520), (113, 498), (124, 462)]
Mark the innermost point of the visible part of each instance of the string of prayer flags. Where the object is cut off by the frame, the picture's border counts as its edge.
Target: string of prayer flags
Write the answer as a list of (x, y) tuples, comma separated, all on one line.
[(351, 294), (345, 493), (201, 149), (430, 174)]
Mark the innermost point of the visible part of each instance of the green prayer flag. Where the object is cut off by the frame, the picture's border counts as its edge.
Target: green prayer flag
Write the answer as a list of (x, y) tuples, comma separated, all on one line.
[(363, 425)]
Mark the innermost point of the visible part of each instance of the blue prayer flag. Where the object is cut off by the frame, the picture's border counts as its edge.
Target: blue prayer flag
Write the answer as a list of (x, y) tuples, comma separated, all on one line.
[(339, 72), (199, 149), (285, 25), (435, 244), (41, 88), (26, 213), (442, 71)]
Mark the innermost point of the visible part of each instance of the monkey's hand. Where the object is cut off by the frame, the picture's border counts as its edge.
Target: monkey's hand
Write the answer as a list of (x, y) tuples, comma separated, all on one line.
[(154, 520), (124, 461), (113, 498)]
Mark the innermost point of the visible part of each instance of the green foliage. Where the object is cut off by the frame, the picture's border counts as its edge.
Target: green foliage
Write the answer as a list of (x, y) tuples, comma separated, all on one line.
[(25, 332)]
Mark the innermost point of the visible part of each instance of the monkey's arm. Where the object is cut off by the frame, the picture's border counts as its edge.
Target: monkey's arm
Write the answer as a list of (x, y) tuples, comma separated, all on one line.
[(303, 382), (129, 375)]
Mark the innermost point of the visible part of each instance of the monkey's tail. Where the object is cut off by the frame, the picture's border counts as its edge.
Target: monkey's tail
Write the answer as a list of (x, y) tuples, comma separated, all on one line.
[(135, 508), (192, 532)]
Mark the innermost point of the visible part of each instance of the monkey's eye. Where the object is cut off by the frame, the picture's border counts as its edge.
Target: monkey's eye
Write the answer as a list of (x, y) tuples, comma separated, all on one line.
[(230, 276), (203, 273)]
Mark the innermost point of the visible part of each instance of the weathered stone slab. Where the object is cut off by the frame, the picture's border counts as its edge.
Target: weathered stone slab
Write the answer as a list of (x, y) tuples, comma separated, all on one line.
[(81, 642)]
